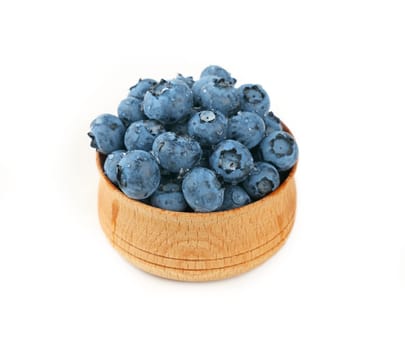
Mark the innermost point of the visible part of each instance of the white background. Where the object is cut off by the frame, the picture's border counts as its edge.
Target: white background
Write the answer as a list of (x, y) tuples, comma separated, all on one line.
[(335, 74)]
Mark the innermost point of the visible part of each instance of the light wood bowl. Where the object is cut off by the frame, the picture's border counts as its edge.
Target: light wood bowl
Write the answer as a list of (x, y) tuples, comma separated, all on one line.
[(196, 246)]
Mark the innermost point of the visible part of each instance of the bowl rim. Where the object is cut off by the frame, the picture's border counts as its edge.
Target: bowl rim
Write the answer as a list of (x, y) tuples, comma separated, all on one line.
[(245, 209)]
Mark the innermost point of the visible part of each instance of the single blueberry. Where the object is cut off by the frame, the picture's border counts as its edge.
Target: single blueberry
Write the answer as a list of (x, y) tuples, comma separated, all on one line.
[(208, 127), (189, 81), (176, 153), (218, 72), (234, 197), (168, 101), (197, 88), (110, 164), (219, 94), (107, 133), (141, 134), (272, 123), (202, 190), (169, 196), (139, 90), (280, 149), (232, 161), (253, 98), (138, 174), (247, 128), (130, 110), (263, 179)]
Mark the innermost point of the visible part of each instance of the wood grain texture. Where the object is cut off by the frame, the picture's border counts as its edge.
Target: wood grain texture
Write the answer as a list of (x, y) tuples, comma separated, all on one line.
[(196, 246)]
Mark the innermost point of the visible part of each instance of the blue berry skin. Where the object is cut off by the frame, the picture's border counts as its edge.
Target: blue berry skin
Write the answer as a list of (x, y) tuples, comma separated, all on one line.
[(280, 149), (168, 101), (219, 94), (110, 165), (189, 81), (139, 90), (141, 134), (234, 197), (202, 190), (138, 174), (272, 123), (216, 71), (176, 153), (107, 133), (169, 196), (232, 161), (263, 179), (247, 128), (130, 110), (208, 127), (197, 88), (253, 98)]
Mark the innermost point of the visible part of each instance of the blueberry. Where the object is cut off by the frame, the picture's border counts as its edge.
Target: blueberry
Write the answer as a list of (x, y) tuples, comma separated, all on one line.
[(272, 123), (110, 165), (280, 149), (189, 81), (130, 110), (263, 179), (168, 101), (202, 190), (208, 127), (176, 153), (197, 88), (232, 161), (169, 196), (107, 133), (253, 98), (138, 174), (234, 197), (247, 128), (139, 90), (220, 95), (218, 72), (141, 134)]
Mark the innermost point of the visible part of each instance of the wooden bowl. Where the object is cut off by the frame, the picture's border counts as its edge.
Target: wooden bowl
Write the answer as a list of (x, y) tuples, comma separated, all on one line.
[(196, 246)]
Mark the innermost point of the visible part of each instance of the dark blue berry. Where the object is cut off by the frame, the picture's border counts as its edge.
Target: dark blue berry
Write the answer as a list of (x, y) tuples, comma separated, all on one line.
[(280, 149), (202, 190), (169, 196), (253, 98), (141, 134), (110, 165), (208, 127), (272, 123), (139, 90), (130, 110), (218, 94), (107, 133), (189, 81), (263, 179), (176, 153), (168, 102), (247, 128), (232, 161), (234, 197), (138, 174), (218, 72)]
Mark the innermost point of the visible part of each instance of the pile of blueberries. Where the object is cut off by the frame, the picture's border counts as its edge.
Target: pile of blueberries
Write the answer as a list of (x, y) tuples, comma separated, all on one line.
[(203, 145)]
